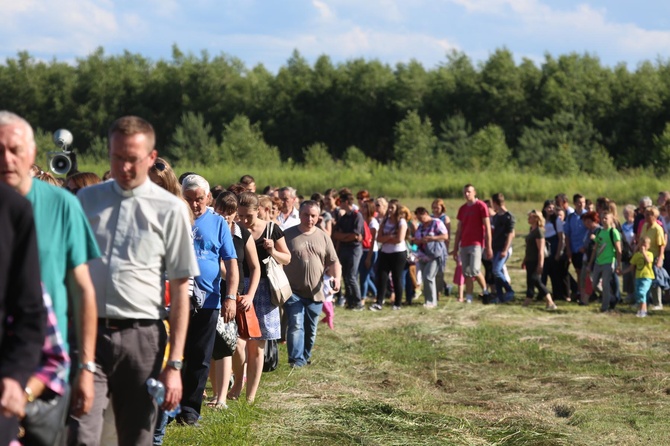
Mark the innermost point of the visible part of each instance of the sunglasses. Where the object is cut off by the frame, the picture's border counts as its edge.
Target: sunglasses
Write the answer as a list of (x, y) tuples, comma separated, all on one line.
[(160, 166)]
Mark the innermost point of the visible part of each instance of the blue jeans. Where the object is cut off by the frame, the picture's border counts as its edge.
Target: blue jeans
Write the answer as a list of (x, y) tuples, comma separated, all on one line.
[(367, 276), (303, 317), (350, 257), (161, 425), (502, 285)]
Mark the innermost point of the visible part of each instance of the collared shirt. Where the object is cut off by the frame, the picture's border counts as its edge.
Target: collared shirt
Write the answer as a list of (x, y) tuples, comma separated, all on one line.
[(143, 234), (55, 364), (575, 230), (293, 219)]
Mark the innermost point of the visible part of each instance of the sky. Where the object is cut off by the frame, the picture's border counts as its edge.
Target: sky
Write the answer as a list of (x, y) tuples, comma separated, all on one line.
[(392, 31)]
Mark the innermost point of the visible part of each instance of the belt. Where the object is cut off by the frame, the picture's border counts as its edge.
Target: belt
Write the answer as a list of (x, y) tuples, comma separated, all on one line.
[(120, 324)]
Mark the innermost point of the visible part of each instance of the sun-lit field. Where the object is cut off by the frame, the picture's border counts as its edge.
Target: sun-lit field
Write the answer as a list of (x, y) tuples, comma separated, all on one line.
[(464, 375)]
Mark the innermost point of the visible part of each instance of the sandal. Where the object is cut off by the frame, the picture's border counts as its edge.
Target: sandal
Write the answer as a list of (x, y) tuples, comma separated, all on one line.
[(218, 405)]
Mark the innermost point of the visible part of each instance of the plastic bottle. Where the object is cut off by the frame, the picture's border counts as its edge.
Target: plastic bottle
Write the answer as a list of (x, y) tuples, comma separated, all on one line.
[(157, 390)]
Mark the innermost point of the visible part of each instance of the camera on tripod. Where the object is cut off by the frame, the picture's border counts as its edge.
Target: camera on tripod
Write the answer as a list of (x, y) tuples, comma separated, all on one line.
[(61, 162)]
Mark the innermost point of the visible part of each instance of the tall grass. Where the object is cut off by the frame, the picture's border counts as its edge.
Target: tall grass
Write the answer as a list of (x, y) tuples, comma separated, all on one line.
[(623, 187)]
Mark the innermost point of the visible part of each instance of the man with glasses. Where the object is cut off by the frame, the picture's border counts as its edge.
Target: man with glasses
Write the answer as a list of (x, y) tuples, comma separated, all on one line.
[(65, 245), (144, 234)]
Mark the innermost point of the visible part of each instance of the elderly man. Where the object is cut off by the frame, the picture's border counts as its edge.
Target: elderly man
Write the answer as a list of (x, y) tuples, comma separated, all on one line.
[(312, 252), (472, 237), (144, 234), (213, 243), (20, 300), (288, 214), (65, 244)]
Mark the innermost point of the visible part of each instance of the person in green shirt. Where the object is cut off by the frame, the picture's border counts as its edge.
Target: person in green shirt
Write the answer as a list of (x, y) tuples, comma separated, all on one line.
[(605, 260), (65, 244)]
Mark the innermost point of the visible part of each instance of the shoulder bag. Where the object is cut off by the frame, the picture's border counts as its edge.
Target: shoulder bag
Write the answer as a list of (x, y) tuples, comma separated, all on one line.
[(280, 289)]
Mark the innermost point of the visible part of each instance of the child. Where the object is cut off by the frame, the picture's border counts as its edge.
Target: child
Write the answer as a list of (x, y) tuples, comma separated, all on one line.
[(642, 261), (328, 302)]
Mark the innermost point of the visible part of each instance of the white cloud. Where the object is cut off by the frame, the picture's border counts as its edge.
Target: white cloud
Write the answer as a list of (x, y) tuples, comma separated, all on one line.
[(324, 10)]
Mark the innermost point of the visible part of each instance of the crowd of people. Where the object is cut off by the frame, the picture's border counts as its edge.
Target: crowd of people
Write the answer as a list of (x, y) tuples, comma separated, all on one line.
[(108, 282)]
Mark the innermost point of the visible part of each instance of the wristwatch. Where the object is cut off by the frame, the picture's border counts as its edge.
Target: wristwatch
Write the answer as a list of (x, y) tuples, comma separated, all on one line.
[(88, 366), (231, 297), (30, 396), (175, 364)]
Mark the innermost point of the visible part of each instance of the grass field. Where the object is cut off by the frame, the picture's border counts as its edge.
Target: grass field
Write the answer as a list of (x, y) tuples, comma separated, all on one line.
[(463, 375)]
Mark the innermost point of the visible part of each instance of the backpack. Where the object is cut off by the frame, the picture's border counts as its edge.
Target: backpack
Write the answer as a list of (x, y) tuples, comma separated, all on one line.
[(367, 236), (626, 249)]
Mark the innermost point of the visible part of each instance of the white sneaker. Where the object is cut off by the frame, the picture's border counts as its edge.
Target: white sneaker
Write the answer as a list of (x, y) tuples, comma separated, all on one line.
[(657, 307), (395, 307)]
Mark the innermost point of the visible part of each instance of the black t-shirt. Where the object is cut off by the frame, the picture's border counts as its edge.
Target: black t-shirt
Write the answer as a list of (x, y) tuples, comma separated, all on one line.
[(350, 223), (502, 225), (277, 233)]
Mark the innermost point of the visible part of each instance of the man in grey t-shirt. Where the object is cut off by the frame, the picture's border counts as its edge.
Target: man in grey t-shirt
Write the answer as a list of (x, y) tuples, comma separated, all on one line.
[(312, 252)]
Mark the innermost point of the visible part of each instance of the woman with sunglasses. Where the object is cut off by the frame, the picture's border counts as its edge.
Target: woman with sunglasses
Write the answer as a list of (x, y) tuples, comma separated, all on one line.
[(267, 243), (534, 260)]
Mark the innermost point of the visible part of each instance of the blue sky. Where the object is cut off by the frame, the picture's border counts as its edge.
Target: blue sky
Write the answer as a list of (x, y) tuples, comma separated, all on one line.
[(267, 31)]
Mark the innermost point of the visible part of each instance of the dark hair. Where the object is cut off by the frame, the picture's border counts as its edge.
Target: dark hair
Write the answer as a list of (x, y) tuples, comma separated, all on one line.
[(576, 197), (498, 198), (236, 188), (247, 180), (420, 211), (248, 200), (346, 196), (310, 203), (226, 202), (216, 191)]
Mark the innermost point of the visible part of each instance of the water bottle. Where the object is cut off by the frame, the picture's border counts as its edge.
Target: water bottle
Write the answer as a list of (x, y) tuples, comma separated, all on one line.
[(157, 391)]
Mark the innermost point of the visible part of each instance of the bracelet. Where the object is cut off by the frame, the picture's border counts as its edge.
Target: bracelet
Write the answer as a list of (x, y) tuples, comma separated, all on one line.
[(30, 396)]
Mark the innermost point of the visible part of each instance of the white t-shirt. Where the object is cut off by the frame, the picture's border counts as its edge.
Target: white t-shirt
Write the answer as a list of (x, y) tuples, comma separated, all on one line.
[(550, 231), (390, 228), (374, 224)]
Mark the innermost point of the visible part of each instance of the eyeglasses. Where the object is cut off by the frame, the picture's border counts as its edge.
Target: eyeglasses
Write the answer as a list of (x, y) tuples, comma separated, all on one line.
[(159, 166), (131, 161)]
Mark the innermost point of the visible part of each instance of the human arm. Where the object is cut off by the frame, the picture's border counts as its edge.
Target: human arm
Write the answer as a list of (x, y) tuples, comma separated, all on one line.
[(487, 237), (251, 257), (232, 281), (277, 249), (371, 251), (540, 253), (508, 244), (82, 295), (179, 318), (561, 245)]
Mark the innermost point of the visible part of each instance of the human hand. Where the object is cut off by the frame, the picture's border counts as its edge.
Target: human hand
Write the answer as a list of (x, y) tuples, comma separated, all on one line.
[(229, 310), (244, 302), (82, 393), (12, 398), (171, 379), (335, 285)]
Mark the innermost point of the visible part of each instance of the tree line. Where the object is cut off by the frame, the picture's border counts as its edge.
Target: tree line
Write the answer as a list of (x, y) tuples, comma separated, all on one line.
[(566, 115)]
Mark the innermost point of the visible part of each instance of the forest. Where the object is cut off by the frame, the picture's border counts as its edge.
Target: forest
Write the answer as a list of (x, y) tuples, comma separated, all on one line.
[(569, 114)]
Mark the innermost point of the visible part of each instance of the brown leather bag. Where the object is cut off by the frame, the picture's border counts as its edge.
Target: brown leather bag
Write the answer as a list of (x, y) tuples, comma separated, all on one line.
[(247, 322)]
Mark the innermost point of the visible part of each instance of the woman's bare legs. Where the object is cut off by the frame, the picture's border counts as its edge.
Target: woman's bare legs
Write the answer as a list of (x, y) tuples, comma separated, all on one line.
[(239, 359), (255, 359)]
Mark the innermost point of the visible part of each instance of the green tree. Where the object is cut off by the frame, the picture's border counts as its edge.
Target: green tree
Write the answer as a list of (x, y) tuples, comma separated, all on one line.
[(192, 141), (317, 155), (415, 143), (243, 143), (662, 151), (489, 149)]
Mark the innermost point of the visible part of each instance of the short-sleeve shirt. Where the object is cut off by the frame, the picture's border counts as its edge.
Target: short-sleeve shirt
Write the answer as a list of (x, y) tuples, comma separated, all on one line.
[(64, 241), (656, 235), (212, 242), (310, 255), (263, 254), (605, 250), (391, 228), (644, 269), (350, 223), (144, 234), (502, 226), (532, 253), (471, 217)]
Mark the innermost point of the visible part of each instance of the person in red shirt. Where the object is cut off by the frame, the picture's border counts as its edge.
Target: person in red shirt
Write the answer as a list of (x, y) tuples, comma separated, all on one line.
[(472, 237)]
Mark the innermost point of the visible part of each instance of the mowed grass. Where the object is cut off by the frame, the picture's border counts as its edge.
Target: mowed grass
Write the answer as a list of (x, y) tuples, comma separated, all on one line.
[(463, 375)]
